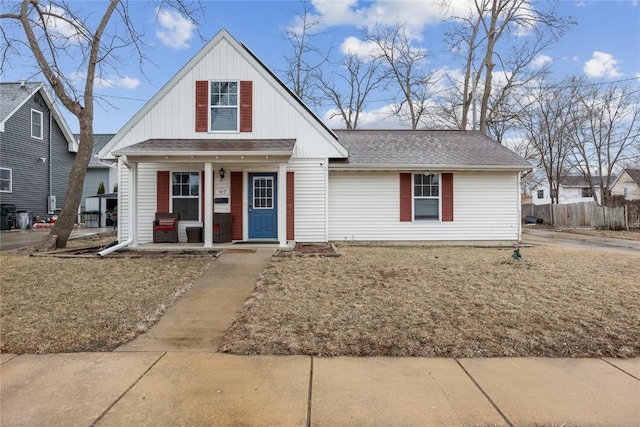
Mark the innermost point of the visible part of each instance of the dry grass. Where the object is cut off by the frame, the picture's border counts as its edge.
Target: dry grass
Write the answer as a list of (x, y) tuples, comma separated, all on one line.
[(451, 302), (69, 305)]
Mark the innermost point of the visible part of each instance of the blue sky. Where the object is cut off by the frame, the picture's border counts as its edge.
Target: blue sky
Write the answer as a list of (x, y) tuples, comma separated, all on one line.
[(605, 45)]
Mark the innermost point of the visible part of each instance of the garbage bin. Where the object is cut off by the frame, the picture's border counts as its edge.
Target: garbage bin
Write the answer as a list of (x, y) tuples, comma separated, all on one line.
[(24, 219), (7, 216)]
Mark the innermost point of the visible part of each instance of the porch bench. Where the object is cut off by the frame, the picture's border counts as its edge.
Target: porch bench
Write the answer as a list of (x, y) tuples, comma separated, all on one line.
[(165, 228)]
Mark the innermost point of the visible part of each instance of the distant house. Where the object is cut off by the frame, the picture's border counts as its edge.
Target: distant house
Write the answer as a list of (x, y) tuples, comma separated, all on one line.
[(37, 149), (627, 184), (573, 189), (98, 171), (226, 141)]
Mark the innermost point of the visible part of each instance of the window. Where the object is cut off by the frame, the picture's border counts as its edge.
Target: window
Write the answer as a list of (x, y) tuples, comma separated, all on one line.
[(540, 194), (263, 192), (426, 196), (5, 180), (185, 195), (224, 106), (36, 124), (586, 192)]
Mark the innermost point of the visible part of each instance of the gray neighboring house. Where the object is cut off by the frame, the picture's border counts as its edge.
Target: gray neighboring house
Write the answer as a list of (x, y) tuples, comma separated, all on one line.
[(98, 171), (37, 149)]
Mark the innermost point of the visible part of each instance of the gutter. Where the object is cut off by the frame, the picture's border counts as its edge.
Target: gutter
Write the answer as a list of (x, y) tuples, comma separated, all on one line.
[(115, 248), (129, 241)]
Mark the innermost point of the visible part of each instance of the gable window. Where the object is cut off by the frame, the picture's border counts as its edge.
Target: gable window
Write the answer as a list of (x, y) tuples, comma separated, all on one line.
[(540, 194), (5, 180), (426, 196), (586, 192), (185, 195), (224, 106), (36, 124)]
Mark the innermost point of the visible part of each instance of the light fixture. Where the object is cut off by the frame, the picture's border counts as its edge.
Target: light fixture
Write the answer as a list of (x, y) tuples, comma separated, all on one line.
[(43, 159), (221, 172)]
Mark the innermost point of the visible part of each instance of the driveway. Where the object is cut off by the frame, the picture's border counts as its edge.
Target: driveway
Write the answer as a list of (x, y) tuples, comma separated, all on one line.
[(581, 241), (19, 239)]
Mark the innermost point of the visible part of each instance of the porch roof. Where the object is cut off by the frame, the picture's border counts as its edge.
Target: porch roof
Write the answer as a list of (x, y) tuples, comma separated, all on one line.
[(209, 147)]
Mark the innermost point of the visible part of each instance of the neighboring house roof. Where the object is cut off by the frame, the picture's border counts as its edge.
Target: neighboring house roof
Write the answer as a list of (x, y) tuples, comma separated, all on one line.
[(581, 181), (99, 141), (634, 174), (209, 147), (425, 149), (14, 95), (251, 58)]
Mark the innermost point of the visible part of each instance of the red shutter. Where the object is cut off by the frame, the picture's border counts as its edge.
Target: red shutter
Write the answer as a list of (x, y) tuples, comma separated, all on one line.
[(291, 206), (236, 205), (447, 197), (162, 192), (202, 106), (246, 106), (406, 213), (202, 185)]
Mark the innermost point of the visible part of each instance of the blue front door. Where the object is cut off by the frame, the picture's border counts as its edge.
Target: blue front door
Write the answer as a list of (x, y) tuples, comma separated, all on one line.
[(263, 209)]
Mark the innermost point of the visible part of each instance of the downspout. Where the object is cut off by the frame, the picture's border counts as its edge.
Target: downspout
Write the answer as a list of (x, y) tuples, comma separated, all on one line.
[(50, 159), (130, 215)]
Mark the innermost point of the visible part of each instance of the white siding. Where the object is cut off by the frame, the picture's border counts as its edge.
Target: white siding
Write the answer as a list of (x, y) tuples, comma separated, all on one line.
[(275, 113), (626, 182), (365, 206), (310, 199)]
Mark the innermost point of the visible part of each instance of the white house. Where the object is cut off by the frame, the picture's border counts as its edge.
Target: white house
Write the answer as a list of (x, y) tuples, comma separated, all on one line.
[(573, 189), (225, 135), (627, 184)]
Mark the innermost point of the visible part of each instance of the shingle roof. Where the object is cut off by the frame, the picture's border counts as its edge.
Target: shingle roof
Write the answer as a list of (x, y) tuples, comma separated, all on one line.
[(12, 95), (634, 174), (208, 146), (581, 181), (445, 149), (99, 141)]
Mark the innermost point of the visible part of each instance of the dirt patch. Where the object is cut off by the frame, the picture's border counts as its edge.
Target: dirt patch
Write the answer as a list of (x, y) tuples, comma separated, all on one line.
[(311, 249), (444, 302)]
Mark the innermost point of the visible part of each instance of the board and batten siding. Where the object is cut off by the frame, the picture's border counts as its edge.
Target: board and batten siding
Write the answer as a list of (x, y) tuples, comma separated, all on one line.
[(365, 206), (310, 199), (275, 113)]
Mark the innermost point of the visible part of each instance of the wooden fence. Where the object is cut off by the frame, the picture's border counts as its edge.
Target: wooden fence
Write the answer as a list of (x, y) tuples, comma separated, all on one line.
[(587, 214)]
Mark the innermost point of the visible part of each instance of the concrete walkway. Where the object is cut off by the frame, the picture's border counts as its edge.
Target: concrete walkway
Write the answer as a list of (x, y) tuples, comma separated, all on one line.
[(173, 376), (580, 241)]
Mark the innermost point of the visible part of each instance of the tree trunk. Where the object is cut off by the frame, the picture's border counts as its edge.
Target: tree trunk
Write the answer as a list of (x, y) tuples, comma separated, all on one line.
[(69, 213)]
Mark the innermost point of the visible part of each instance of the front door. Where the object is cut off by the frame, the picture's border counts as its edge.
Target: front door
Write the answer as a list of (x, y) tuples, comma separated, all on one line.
[(263, 217)]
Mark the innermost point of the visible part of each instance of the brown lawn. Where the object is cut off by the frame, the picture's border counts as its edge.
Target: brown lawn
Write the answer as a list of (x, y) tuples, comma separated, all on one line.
[(451, 302)]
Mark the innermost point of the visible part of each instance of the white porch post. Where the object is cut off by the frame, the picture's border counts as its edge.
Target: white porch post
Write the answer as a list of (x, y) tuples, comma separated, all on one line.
[(282, 204), (208, 205), (132, 197)]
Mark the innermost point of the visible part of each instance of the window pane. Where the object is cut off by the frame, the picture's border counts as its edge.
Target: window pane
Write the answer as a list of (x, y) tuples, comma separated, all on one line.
[(4, 185), (187, 208), (5, 174), (427, 209), (224, 119)]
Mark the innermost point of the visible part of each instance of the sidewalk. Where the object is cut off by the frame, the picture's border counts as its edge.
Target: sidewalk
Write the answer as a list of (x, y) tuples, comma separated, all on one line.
[(16, 239), (172, 375)]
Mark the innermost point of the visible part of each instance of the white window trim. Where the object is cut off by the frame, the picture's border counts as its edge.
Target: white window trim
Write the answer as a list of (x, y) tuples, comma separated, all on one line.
[(414, 197), (237, 107), (41, 124), (10, 181), (171, 195)]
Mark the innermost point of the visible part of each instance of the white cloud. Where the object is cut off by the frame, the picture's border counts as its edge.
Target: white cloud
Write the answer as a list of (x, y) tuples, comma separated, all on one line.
[(103, 82), (540, 61), (602, 64), (61, 26), (380, 118), (360, 48), (175, 30)]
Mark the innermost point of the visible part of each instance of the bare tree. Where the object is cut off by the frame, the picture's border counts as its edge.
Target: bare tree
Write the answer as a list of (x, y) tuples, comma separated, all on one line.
[(356, 78), (493, 33), (406, 71), (93, 47), (547, 124), (608, 117), (306, 58)]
